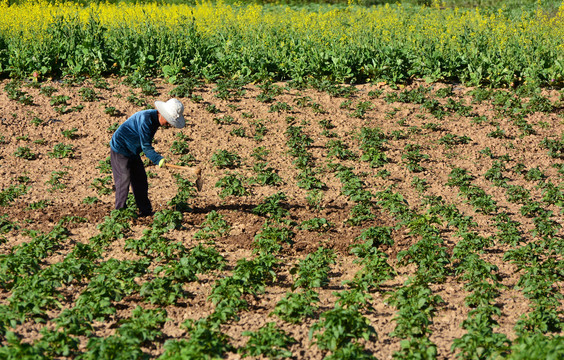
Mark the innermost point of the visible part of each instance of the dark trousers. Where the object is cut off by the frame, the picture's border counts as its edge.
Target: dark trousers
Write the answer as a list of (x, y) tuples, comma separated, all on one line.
[(130, 171)]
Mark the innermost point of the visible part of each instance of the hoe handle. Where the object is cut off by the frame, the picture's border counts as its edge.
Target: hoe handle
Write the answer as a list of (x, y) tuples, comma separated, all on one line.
[(193, 171)]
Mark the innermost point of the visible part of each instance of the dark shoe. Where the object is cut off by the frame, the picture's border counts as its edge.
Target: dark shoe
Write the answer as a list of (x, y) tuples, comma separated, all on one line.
[(146, 214)]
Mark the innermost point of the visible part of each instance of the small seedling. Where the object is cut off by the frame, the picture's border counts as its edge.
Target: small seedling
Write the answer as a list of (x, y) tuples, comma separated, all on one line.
[(55, 181), (88, 94), (112, 111), (70, 134), (62, 151), (58, 100), (24, 152)]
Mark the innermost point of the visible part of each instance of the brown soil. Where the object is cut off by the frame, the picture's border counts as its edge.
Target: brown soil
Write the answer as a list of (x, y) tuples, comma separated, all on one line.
[(206, 137)]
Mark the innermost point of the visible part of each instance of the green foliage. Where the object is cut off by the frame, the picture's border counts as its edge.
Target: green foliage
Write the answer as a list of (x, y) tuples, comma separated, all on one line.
[(313, 271), (534, 174), (70, 133), (225, 120), (11, 193), (460, 178), (555, 147), (162, 291), (416, 306), (57, 100), (212, 109), (372, 142), (495, 174), (166, 220), (307, 180), (361, 109), (205, 341), (232, 184), (213, 226), (55, 181), (537, 347), (419, 184), (295, 307), (186, 191), (480, 341), (205, 259), (338, 327), (179, 147), (266, 175), (279, 107), (226, 159), (317, 224), (103, 186), (268, 341), (416, 348), (133, 99), (451, 139), (336, 148), (15, 93), (270, 239), (105, 166), (62, 151), (227, 89), (112, 111), (25, 152), (272, 207), (256, 273), (88, 94), (413, 156)]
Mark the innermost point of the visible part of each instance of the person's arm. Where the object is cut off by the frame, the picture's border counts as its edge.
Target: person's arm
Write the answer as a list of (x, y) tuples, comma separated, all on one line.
[(146, 139)]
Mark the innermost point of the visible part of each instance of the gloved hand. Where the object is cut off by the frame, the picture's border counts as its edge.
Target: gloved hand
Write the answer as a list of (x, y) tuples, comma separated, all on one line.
[(162, 163)]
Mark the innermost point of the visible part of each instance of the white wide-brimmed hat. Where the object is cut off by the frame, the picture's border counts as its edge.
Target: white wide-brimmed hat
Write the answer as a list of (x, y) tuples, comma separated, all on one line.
[(172, 111)]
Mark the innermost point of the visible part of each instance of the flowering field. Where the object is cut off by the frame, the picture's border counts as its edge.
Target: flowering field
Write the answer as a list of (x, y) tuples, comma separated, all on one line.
[(399, 218), (344, 44)]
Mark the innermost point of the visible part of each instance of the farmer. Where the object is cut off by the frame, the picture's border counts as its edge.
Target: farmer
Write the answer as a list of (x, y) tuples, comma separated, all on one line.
[(133, 137)]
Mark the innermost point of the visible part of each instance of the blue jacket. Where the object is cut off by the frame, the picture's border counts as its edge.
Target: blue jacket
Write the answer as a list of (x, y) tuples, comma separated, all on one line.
[(136, 134)]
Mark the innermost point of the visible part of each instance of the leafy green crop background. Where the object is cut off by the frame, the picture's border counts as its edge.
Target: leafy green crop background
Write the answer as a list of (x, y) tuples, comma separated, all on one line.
[(346, 44)]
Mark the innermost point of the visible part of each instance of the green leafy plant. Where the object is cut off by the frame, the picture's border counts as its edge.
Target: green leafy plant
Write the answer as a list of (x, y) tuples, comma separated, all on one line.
[(451, 139), (58, 100), (225, 120), (88, 94), (205, 340), (272, 207), (70, 133), (212, 109), (103, 186), (11, 193), (295, 307), (214, 226), (47, 90), (266, 175), (313, 271), (279, 107), (226, 159), (232, 184), (112, 111), (338, 327), (317, 224), (56, 181), (413, 156), (25, 152), (268, 341), (62, 151)]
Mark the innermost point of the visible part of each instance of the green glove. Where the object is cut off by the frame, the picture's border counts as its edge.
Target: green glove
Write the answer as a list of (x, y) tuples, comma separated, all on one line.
[(162, 163)]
